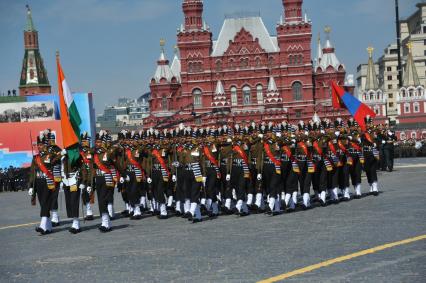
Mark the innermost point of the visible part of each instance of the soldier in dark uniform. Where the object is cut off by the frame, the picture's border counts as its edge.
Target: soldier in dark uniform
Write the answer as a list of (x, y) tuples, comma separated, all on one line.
[(134, 174), (158, 174), (355, 152), (371, 155), (74, 179), (87, 195), (42, 183), (322, 163), (271, 170), (56, 151), (226, 156), (389, 139), (212, 172), (291, 167), (104, 183)]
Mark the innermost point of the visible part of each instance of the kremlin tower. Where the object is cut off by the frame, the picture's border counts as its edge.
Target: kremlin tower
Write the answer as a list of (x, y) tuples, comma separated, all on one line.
[(33, 78)]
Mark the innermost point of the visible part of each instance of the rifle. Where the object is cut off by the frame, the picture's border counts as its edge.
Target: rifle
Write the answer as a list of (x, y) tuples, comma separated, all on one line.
[(33, 197)]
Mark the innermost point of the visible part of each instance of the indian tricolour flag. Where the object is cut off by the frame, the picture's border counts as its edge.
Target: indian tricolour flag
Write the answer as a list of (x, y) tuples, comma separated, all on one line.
[(70, 118)]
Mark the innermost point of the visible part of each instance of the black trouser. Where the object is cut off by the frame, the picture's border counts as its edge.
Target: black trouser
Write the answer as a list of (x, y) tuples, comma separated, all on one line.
[(133, 189), (291, 179), (226, 188), (370, 167), (72, 202), (159, 186), (239, 182), (192, 187), (212, 183), (55, 197), (45, 196), (319, 180), (389, 151), (382, 160), (180, 188), (271, 179), (355, 170), (104, 194), (333, 178), (305, 178), (343, 172), (256, 185)]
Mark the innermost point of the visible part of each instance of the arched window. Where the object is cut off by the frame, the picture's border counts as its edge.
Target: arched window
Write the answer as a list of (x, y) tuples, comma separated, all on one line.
[(190, 67), (300, 59), (271, 61), (402, 136), (246, 95), (259, 94), (406, 107), (244, 62), (196, 94), (297, 91), (164, 103), (290, 60), (234, 98), (413, 135), (231, 64), (377, 110), (218, 65), (416, 107), (258, 62)]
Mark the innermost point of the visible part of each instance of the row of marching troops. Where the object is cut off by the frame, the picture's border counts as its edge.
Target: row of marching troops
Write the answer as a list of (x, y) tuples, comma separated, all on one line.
[(190, 172)]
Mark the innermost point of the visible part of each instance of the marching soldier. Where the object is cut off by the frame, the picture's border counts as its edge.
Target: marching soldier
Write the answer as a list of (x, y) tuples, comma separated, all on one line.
[(104, 183), (42, 183), (371, 155), (87, 195), (134, 174)]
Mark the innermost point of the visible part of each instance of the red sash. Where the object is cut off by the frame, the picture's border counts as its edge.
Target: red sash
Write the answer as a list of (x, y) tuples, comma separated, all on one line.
[(287, 151), (318, 149), (242, 153), (83, 156), (160, 159), (132, 160), (270, 155), (100, 165), (332, 148), (355, 146), (210, 156), (368, 137), (43, 168), (342, 147)]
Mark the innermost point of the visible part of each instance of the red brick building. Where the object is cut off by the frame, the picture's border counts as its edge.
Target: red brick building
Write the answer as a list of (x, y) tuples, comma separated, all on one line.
[(246, 73)]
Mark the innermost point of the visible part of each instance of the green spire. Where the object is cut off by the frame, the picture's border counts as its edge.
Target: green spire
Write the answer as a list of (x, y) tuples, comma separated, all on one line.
[(30, 24)]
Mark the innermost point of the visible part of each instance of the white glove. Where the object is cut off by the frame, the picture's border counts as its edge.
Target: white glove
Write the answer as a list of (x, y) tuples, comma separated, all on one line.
[(121, 180), (31, 192), (89, 189), (174, 179), (63, 152), (350, 138), (374, 144), (293, 141), (322, 132), (260, 136), (259, 177), (278, 135), (229, 140), (228, 177), (149, 180), (82, 186), (127, 178), (383, 142), (337, 133)]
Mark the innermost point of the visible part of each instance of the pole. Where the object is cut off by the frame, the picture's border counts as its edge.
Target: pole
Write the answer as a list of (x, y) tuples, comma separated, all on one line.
[(398, 43)]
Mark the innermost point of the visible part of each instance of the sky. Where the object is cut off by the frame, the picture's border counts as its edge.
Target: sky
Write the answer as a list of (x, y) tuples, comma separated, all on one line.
[(110, 47)]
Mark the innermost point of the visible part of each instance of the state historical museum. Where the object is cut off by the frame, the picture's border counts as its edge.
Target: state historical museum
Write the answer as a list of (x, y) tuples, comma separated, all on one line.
[(246, 74)]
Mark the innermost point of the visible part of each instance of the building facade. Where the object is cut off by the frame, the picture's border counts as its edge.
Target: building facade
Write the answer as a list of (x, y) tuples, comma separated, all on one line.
[(246, 74)]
